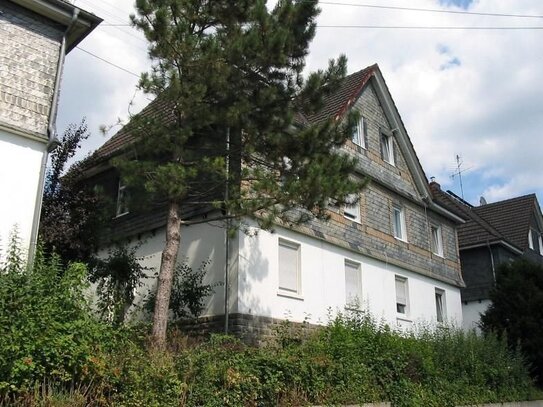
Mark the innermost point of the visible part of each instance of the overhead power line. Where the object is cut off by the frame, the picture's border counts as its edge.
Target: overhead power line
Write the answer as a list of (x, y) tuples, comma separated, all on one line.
[(435, 27), (108, 62), (417, 27), (429, 10)]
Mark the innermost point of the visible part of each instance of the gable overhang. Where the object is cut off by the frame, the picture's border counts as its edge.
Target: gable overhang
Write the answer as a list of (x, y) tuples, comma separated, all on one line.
[(503, 243), (404, 142), (538, 215), (62, 13)]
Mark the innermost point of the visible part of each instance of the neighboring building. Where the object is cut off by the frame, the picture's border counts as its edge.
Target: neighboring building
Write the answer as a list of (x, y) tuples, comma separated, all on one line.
[(493, 234), (394, 254), (34, 37)]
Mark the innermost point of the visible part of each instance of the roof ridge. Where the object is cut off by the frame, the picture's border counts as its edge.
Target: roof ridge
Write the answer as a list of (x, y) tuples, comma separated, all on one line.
[(516, 198)]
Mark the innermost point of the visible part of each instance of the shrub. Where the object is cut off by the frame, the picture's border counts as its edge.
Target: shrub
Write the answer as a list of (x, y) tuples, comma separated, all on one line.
[(47, 332)]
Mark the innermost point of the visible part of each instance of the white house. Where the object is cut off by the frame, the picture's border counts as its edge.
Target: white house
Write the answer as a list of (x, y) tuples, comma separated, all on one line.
[(395, 254), (35, 35)]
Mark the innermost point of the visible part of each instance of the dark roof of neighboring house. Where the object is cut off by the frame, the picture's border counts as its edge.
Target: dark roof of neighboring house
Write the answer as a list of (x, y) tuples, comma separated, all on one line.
[(335, 104), (477, 230), (511, 217)]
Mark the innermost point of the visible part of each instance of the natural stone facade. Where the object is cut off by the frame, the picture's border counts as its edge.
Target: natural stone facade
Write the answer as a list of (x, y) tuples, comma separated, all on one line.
[(29, 53), (390, 185), (250, 329)]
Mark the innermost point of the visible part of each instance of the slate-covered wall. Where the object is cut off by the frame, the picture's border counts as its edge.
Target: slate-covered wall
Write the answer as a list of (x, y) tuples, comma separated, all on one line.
[(29, 52)]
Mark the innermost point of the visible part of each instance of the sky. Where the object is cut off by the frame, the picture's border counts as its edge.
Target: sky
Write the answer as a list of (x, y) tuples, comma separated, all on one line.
[(468, 96)]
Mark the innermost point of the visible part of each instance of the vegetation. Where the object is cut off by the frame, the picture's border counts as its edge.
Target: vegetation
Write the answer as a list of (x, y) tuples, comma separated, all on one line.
[(54, 352), (516, 312), (72, 215), (117, 279), (230, 76), (47, 331)]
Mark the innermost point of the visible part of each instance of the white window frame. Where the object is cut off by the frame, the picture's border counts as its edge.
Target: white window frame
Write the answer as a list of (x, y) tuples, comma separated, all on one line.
[(359, 135), (353, 303), (400, 234), (402, 302), (352, 212), (540, 241), (531, 239), (289, 291), (122, 204), (436, 239), (441, 305), (387, 153)]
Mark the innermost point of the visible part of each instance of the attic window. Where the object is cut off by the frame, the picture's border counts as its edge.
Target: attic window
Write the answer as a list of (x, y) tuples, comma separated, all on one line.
[(436, 241), (359, 135), (122, 199), (387, 148), (531, 239)]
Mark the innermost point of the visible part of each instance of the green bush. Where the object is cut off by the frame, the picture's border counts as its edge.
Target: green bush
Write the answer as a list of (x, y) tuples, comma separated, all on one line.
[(47, 333), (355, 360), (53, 351)]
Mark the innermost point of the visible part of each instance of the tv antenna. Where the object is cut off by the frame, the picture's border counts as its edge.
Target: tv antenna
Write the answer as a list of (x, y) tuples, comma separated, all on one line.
[(458, 173)]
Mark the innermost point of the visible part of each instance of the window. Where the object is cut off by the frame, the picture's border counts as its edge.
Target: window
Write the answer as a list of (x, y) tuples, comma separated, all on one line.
[(387, 148), (531, 239), (440, 305), (353, 285), (122, 199), (398, 223), (435, 240), (402, 304), (289, 267), (540, 241), (359, 135), (352, 210)]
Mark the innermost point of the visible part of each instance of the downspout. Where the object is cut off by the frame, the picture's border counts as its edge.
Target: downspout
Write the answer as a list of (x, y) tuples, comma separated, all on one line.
[(52, 142), (227, 239), (492, 265)]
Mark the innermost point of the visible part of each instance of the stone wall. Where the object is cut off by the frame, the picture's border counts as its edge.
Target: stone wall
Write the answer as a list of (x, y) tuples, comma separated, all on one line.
[(250, 329), (29, 52)]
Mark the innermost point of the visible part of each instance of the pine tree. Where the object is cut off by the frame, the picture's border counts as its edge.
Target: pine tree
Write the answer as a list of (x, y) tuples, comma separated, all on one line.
[(231, 131)]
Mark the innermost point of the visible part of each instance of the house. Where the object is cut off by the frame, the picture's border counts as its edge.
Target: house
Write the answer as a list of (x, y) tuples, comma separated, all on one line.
[(394, 254), (35, 35), (493, 234)]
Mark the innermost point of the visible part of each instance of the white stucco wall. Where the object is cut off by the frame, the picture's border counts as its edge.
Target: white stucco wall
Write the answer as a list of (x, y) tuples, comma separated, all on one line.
[(323, 283), (198, 244), (472, 314), (20, 166)]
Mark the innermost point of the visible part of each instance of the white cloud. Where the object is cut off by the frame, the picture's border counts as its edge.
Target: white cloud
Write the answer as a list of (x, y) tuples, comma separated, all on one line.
[(476, 93)]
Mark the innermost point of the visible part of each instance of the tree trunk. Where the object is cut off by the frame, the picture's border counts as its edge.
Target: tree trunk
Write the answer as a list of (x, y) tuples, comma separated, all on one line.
[(165, 276)]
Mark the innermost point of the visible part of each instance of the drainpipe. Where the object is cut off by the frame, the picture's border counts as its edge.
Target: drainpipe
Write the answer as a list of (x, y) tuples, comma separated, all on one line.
[(492, 263), (227, 239), (52, 142)]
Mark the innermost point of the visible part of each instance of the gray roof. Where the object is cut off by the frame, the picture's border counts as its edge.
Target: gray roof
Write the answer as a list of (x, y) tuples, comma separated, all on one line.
[(511, 217)]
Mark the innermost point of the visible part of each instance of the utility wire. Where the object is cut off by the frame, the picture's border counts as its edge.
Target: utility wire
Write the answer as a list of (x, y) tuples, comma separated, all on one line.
[(108, 62), (428, 10), (419, 27), (413, 27)]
